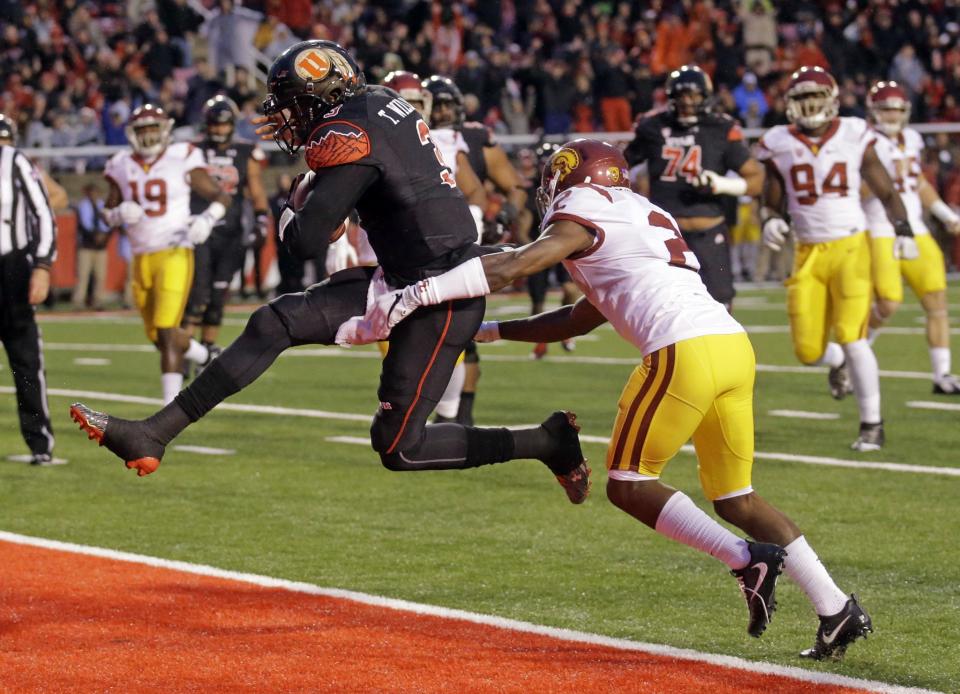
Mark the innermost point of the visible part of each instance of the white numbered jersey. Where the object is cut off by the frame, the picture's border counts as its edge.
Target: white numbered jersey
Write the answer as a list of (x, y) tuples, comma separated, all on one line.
[(449, 143), (901, 157), (162, 189), (638, 273), (821, 177)]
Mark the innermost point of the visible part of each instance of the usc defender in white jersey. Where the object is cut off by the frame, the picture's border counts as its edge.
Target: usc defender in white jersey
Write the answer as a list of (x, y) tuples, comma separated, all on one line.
[(814, 171), (695, 380), (900, 149), (150, 186)]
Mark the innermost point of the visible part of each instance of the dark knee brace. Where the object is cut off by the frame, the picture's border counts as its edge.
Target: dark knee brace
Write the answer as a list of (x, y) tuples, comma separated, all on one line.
[(470, 354), (213, 312)]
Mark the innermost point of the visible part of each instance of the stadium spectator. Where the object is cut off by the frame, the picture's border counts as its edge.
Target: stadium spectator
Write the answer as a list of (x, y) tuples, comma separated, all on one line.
[(749, 98), (92, 236)]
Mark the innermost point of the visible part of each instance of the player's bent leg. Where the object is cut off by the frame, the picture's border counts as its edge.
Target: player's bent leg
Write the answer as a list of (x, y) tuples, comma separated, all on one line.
[(807, 307), (290, 320)]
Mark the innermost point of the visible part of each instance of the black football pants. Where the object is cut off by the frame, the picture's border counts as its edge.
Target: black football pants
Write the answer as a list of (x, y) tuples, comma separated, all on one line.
[(423, 351), (21, 340)]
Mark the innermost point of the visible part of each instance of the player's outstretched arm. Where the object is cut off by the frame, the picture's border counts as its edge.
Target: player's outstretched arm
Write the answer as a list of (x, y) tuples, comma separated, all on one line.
[(551, 326), (932, 201), (772, 209)]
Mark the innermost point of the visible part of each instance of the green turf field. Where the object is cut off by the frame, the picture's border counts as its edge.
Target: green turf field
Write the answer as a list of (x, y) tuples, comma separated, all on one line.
[(504, 540)]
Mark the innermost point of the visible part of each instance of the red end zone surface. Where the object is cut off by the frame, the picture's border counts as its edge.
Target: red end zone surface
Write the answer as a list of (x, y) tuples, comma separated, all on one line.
[(71, 622)]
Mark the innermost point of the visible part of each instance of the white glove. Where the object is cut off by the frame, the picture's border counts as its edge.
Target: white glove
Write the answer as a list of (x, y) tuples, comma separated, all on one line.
[(200, 227), (340, 255), (391, 308), (477, 213), (355, 331), (489, 331), (127, 212), (286, 217), (775, 231), (720, 185), (905, 248)]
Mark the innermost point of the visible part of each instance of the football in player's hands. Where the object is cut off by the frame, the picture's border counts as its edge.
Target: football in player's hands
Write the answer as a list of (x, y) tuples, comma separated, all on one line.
[(299, 191)]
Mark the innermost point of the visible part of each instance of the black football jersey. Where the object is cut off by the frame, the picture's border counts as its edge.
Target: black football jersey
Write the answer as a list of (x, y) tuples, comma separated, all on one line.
[(227, 165), (477, 136), (676, 154), (415, 216)]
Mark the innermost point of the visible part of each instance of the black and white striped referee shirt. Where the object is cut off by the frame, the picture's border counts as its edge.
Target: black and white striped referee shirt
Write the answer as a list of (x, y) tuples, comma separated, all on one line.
[(26, 220)]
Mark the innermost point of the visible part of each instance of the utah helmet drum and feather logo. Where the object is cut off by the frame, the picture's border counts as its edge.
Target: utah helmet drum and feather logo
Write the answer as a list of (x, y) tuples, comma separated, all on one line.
[(314, 64), (564, 162)]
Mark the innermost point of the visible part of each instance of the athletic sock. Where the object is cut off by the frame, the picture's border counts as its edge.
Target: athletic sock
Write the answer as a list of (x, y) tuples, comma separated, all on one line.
[(171, 383), (196, 352), (530, 442), (465, 411), (940, 362), (804, 567), (872, 334), (683, 521), (865, 375), (449, 403), (832, 356)]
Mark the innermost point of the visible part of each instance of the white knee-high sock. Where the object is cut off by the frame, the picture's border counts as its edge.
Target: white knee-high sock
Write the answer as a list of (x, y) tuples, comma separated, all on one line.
[(865, 375), (196, 352), (832, 356), (807, 571), (450, 402), (940, 361), (172, 383), (683, 521)]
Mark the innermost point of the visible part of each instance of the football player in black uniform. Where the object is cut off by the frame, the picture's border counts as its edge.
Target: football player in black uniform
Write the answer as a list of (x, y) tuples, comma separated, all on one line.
[(235, 165), (371, 151), (688, 150), (491, 164)]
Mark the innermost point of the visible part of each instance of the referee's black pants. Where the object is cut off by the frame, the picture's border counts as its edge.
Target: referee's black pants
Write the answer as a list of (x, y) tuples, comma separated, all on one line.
[(21, 340)]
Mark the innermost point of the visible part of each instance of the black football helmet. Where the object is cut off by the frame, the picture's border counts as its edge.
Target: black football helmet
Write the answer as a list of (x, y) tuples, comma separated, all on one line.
[(8, 129), (306, 81), (689, 79), (448, 96), (220, 110)]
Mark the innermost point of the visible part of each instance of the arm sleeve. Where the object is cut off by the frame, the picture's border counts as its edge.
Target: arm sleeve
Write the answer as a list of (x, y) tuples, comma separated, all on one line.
[(736, 153), (46, 242), (335, 194)]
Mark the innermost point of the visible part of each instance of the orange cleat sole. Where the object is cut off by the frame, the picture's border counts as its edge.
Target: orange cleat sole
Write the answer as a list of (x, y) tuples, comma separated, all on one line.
[(93, 433), (143, 466)]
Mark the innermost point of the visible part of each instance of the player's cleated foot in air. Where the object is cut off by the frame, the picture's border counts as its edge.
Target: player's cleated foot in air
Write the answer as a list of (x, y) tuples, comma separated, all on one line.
[(129, 441), (758, 583), (838, 631), (946, 385), (839, 381), (871, 438), (213, 351), (539, 351), (566, 461), (568, 345)]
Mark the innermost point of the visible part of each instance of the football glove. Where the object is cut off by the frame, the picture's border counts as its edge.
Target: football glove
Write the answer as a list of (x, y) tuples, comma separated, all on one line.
[(489, 331), (127, 212), (287, 217), (261, 227), (715, 184), (202, 224), (905, 248), (775, 231)]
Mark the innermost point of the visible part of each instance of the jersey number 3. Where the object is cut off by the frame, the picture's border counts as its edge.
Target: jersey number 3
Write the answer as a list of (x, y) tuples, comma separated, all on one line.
[(446, 175)]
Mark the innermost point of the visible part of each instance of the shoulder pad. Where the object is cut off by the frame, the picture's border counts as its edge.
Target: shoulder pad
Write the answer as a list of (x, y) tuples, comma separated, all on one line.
[(336, 142)]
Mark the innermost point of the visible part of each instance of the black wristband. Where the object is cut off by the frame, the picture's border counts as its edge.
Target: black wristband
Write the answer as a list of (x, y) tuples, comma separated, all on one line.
[(902, 228)]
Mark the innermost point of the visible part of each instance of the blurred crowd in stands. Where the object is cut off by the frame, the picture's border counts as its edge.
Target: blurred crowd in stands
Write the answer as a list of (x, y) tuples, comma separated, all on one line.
[(71, 71)]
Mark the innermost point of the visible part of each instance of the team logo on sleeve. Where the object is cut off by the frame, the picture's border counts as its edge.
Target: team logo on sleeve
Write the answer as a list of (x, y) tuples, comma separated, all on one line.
[(337, 142), (564, 162)]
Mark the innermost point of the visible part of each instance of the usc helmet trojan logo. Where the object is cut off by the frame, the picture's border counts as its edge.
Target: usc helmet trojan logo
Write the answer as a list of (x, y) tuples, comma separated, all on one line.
[(563, 162)]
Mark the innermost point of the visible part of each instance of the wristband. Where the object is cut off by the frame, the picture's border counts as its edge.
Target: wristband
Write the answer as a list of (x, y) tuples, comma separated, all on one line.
[(465, 281), (942, 211), (729, 185), (902, 228)]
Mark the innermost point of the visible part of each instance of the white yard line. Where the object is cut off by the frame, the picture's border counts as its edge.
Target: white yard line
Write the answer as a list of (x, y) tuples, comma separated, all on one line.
[(203, 450), (365, 418), (473, 617), (928, 405), (803, 414)]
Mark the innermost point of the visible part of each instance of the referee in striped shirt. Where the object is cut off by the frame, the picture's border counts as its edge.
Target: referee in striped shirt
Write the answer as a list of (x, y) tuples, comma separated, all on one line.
[(27, 249)]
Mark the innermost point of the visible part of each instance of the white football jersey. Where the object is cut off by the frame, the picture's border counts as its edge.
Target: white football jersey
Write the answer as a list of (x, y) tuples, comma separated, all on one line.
[(162, 189), (821, 177), (901, 157), (449, 142), (638, 273)]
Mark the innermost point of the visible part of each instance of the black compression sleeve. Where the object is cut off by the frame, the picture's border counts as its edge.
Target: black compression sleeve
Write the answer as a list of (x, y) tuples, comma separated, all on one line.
[(335, 193)]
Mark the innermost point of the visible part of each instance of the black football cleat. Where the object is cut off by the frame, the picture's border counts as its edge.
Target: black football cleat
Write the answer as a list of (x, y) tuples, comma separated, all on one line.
[(758, 583), (839, 381), (129, 441), (871, 438), (946, 385), (838, 631), (566, 461)]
